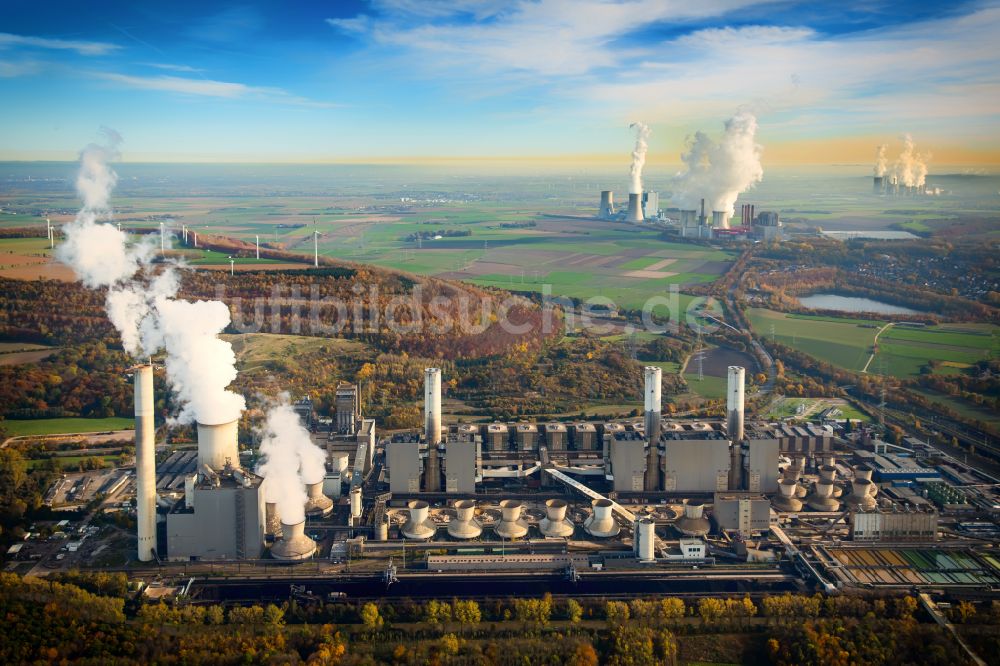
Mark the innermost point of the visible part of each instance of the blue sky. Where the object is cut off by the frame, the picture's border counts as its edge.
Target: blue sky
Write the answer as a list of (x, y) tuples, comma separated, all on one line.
[(392, 79)]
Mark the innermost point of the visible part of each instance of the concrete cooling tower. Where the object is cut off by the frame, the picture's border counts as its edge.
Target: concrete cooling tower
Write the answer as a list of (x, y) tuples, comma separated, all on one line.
[(511, 525), (419, 525), (634, 213), (555, 524), (693, 522), (465, 525), (294, 545), (272, 521), (822, 498), (601, 522), (607, 204), (218, 444), (786, 499), (318, 504)]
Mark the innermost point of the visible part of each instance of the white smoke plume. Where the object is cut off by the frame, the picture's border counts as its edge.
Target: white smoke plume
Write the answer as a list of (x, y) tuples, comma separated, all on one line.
[(141, 302), (718, 171), (290, 461), (638, 156), (881, 161), (911, 167)]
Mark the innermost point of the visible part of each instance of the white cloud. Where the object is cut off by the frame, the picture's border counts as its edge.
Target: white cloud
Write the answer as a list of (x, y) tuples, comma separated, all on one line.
[(8, 40), (207, 88), (172, 68), (10, 70)]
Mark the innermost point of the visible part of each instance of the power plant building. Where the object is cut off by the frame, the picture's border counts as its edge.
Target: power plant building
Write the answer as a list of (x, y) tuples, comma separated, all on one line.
[(694, 461), (761, 465), (221, 518), (742, 512), (627, 455)]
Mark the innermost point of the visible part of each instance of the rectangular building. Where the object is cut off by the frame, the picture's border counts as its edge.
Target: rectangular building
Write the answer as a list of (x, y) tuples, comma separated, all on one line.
[(746, 513), (462, 460), (894, 525), (403, 464), (761, 464), (218, 523), (694, 461), (627, 454)]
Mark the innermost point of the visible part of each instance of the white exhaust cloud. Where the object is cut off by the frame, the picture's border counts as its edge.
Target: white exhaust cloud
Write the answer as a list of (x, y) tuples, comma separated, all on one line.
[(719, 171), (290, 461), (910, 168), (141, 301), (881, 161), (638, 156)]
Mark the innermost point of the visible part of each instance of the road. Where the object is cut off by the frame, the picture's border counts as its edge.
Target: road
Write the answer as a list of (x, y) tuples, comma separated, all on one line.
[(871, 357)]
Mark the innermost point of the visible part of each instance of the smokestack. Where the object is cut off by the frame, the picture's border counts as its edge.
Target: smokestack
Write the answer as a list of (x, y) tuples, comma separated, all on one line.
[(720, 220), (701, 217), (634, 213), (218, 444), (654, 377), (753, 208), (145, 463), (432, 427), (294, 545), (607, 204), (734, 403), (736, 466)]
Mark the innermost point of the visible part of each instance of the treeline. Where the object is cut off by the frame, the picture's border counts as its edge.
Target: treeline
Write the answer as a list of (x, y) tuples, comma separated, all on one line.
[(93, 618)]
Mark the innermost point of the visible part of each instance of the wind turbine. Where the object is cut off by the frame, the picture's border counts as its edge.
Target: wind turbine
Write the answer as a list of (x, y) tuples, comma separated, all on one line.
[(258, 246), (162, 239), (52, 236), (232, 266), (315, 245)]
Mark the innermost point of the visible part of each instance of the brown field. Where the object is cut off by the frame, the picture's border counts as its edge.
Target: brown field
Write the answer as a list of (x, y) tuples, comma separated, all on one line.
[(18, 358), (648, 274), (254, 267)]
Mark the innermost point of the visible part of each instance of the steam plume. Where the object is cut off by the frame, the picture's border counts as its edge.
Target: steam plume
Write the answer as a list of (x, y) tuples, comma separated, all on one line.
[(911, 167), (290, 461), (638, 156), (142, 303), (719, 171), (881, 162)]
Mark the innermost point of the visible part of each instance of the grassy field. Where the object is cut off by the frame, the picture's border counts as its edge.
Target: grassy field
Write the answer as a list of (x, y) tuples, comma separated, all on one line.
[(71, 462), (902, 351), (708, 387), (256, 351), (67, 425), (812, 407), (964, 408)]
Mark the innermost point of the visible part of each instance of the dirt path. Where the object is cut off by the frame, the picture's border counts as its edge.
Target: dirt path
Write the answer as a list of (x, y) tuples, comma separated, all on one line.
[(875, 346)]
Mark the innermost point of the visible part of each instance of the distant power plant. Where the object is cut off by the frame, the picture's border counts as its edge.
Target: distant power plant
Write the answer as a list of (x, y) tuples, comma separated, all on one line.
[(640, 207)]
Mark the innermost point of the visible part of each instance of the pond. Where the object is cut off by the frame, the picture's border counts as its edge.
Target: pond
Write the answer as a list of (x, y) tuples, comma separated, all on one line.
[(852, 304)]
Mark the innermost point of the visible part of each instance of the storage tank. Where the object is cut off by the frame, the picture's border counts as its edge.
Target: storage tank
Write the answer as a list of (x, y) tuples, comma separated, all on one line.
[(318, 504), (419, 525), (332, 484), (294, 545), (693, 522), (634, 213), (511, 525), (465, 525), (145, 463), (644, 539), (356, 503), (601, 522), (382, 530), (786, 499), (218, 444), (555, 524)]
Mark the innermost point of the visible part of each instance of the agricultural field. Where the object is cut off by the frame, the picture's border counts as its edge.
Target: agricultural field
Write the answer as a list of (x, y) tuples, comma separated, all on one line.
[(714, 371), (256, 353), (15, 353), (29, 427), (805, 408), (902, 350), (963, 408)]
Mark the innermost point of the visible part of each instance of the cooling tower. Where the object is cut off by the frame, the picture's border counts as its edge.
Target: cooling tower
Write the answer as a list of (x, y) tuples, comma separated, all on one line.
[(822, 498), (554, 524), (217, 445), (878, 185), (318, 504), (786, 499), (693, 522), (720, 219), (601, 522), (861, 494), (734, 403), (862, 472), (145, 463), (653, 390), (356, 502), (634, 213), (827, 473), (419, 525), (432, 428), (294, 545), (339, 462), (511, 525), (644, 539), (272, 521), (465, 525), (607, 204)]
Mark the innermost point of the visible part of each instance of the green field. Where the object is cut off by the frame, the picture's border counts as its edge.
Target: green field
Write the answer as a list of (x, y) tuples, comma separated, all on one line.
[(708, 387), (30, 427), (787, 408), (965, 409), (70, 462), (902, 350)]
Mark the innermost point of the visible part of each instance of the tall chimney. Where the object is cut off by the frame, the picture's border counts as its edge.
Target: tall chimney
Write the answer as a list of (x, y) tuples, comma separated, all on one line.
[(607, 204), (734, 403), (634, 213), (701, 218), (432, 427), (145, 463), (654, 377)]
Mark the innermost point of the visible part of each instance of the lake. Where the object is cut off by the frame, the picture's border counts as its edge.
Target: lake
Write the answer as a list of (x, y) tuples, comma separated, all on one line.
[(852, 304)]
